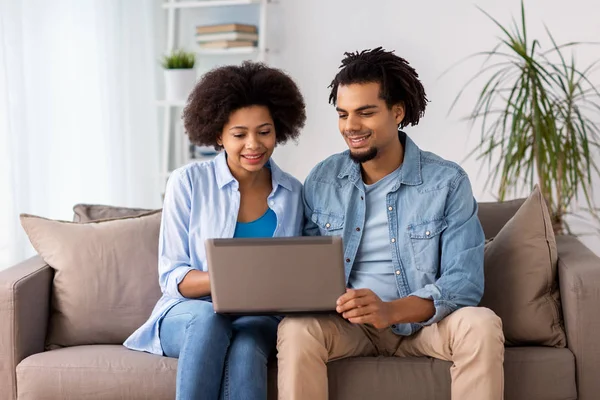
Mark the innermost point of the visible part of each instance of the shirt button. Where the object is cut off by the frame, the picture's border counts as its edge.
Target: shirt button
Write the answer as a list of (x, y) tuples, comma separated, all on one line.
[(427, 233), (390, 208), (327, 225), (398, 272), (357, 229), (394, 326), (393, 240), (362, 198), (272, 202), (347, 260)]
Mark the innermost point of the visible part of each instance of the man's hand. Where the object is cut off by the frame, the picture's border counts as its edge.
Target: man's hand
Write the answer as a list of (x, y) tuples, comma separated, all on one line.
[(362, 306)]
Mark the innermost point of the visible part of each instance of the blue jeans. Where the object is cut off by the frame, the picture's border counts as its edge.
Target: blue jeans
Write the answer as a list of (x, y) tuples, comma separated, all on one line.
[(220, 356)]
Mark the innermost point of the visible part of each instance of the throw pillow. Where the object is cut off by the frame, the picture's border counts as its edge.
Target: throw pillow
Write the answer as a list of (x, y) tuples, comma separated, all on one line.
[(106, 278), (521, 277), (94, 212)]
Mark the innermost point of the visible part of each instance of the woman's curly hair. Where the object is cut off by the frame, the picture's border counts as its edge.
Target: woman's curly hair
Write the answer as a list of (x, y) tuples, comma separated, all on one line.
[(399, 81), (226, 89)]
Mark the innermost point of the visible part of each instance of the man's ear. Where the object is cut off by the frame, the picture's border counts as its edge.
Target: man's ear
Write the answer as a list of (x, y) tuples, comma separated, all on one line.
[(398, 111)]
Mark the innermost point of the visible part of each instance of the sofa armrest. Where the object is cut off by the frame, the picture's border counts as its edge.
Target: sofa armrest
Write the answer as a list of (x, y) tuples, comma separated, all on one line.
[(579, 278), (24, 309)]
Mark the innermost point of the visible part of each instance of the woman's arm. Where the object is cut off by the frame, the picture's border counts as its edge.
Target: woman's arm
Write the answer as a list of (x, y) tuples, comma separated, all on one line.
[(195, 284), (177, 277)]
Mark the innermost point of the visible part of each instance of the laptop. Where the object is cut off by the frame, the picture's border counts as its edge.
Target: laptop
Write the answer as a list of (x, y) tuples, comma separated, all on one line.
[(284, 275)]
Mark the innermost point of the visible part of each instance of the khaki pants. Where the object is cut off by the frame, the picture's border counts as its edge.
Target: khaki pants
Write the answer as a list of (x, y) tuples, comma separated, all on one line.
[(471, 338)]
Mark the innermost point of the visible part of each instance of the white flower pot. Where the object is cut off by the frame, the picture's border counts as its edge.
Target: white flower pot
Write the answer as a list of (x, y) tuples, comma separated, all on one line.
[(179, 83)]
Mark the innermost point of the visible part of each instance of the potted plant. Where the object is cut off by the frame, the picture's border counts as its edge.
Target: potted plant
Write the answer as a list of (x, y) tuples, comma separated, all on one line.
[(535, 110), (180, 75)]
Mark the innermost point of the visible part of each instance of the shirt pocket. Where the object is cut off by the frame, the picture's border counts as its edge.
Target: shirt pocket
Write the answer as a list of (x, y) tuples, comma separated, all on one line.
[(329, 224), (425, 244)]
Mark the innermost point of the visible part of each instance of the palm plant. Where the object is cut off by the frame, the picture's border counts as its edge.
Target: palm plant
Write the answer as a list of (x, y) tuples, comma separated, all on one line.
[(534, 109)]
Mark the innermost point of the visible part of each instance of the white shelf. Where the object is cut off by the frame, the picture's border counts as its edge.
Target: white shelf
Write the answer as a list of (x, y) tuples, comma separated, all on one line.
[(209, 3), (174, 148), (232, 50), (171, 103)]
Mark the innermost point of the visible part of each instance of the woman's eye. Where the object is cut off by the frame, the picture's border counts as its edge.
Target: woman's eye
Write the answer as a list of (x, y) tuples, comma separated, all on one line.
[(265, 132), (238, 135)]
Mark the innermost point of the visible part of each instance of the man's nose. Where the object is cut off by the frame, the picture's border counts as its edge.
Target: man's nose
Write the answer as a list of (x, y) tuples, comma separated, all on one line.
[(352, 125)]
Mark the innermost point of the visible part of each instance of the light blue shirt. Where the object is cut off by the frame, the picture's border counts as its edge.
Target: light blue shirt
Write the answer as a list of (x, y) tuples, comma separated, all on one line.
[(434, 235), (260, 228), (202, 201), (373, 266)]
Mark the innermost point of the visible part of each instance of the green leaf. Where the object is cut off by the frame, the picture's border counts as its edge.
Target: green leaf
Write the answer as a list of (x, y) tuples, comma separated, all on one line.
[(178, 59)]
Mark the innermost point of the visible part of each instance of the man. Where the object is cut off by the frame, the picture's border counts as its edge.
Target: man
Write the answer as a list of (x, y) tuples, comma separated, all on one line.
[(413, 245)]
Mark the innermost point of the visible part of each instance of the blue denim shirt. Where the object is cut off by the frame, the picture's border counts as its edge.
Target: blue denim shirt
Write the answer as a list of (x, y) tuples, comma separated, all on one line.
[(202, 201), (435, 237)]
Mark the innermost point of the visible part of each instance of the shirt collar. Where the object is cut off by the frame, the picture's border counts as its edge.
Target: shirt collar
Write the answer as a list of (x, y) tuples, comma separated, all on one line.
[(410, 171), (224, 176)]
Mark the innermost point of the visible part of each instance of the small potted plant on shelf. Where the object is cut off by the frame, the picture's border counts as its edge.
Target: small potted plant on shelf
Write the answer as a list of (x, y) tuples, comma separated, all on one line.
[(180, 75)]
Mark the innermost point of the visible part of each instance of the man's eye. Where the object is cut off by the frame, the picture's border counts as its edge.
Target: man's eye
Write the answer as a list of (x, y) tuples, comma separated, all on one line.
[(367, 114), (343, 116)]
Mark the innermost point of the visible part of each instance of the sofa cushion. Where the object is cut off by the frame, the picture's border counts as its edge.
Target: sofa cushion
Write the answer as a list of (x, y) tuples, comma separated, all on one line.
[(95, 212), (96, 372), (106, 278), (494, 215), (114, 372), (521, 277)]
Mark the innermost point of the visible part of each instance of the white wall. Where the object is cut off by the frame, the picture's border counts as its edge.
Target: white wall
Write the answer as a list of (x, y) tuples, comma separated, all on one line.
[(310, 37)]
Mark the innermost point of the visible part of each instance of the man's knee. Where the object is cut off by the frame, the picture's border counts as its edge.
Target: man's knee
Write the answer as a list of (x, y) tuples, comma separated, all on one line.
[(479, 325)]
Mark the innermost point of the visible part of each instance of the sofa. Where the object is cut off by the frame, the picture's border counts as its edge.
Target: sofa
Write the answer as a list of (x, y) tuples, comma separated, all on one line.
[(30, 369)]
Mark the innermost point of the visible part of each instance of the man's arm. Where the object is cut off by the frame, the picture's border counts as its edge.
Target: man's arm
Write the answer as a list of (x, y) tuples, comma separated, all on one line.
[(363, 306), (461, 265), (461, 273)]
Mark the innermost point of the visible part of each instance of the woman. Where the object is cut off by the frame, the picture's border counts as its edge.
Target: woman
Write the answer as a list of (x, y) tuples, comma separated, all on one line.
[(246, 111)]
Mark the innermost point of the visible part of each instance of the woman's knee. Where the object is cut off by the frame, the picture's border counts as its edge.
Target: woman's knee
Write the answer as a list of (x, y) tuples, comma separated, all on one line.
[(250, 344), (198, 317)]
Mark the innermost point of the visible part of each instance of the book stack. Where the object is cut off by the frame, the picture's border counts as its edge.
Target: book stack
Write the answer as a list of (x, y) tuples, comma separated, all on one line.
[(226, 36)]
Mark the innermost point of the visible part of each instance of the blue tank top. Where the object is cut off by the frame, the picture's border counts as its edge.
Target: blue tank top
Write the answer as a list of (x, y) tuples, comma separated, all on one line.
[(262, 227)]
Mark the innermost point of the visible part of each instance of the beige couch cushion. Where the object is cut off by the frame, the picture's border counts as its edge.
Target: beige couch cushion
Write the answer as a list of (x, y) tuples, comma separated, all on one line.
[(494, 215), (114, 372), (96, 372), (521, 277), (94, 212), (106, 279)]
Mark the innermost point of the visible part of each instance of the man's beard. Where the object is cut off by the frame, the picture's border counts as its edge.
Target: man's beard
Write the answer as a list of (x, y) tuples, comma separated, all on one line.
[(365, 156)]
